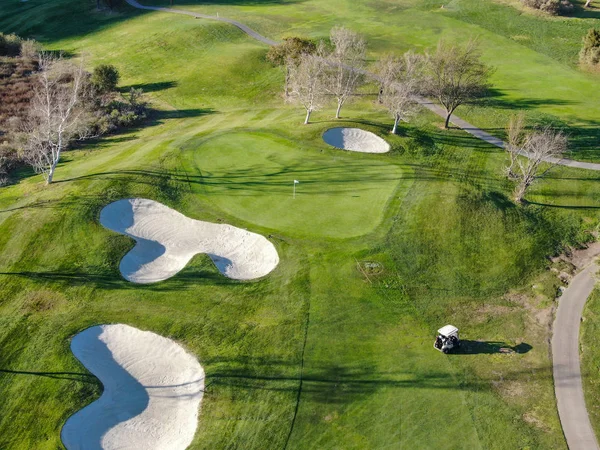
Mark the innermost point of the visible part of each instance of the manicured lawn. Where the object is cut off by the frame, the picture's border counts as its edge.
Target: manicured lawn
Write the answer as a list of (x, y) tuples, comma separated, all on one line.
[(339, 195), (535, 57), (318, 354)]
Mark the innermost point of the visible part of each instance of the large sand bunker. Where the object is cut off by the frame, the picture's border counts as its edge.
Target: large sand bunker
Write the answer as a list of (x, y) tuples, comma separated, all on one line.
[(152, 392), (356, 140), (167, 240)]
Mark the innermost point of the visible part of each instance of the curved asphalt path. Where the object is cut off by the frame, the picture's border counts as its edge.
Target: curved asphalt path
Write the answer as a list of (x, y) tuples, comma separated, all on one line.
[(566, 365), (573, 414), (249, 31)]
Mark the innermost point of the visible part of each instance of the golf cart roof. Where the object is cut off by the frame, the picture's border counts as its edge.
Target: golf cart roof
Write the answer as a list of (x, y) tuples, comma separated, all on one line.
[(448, 330)]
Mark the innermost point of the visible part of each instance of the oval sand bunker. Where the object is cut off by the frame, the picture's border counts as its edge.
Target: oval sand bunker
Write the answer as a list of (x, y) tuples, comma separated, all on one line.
[(152, 392), (167, 240), (356, 140)]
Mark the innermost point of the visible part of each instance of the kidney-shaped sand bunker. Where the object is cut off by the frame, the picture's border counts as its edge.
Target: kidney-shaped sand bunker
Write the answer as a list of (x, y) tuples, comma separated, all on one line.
[(167, 240), (356, 140), (152, 392)]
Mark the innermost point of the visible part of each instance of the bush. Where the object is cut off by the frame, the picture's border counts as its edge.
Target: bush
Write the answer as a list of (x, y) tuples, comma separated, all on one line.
[(554, 7), (10, 45), (105, 78), (123, 112), (590, 53), (30, 49)]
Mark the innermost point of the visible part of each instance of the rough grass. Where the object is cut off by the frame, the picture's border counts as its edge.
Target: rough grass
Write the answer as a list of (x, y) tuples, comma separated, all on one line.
[(316, 355)]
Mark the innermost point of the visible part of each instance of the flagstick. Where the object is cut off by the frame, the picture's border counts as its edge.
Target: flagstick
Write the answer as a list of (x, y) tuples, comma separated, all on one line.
[(294, 189)]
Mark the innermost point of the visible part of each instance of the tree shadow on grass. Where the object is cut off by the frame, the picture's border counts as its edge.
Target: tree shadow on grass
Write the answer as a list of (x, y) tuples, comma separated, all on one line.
[(187, 279), (73, 376), (591, 12), (149, 87), (496, 98), (338, 384)]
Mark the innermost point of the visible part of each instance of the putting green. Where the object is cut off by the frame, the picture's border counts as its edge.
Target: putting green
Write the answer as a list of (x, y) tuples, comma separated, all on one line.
[(250, 175)]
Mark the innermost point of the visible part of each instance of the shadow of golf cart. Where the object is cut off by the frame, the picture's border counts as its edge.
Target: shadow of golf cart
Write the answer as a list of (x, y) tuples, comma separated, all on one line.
[(448, 341)]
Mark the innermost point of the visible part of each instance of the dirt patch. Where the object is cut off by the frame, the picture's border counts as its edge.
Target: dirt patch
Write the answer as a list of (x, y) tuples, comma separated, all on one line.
[(41, 301), (531, 419)]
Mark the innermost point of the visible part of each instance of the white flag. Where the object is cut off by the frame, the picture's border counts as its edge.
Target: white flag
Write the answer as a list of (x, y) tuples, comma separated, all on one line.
[(296, 182)]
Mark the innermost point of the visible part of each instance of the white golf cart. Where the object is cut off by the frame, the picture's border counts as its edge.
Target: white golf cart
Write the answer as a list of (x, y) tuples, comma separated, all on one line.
[(447, 339)]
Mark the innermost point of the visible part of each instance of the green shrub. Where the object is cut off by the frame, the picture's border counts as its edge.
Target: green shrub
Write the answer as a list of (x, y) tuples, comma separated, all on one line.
[(10, 45), (105, 78), (590, 53), (123, 112)]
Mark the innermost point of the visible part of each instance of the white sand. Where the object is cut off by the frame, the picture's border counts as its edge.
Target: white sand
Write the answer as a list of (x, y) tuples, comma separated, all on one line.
[(356, 140), (167, 240), (152, 392)]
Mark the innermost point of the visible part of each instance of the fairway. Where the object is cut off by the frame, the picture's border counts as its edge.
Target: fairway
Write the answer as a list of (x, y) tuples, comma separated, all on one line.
[(250, 175), (330, 346)]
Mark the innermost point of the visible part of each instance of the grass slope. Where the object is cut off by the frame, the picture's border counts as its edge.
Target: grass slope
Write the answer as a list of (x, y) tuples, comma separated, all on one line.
[(316, 355), (535, 57)]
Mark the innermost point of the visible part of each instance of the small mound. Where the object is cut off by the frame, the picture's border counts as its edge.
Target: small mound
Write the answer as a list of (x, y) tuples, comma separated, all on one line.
[(166, 241), (152, 392), (355, 140)]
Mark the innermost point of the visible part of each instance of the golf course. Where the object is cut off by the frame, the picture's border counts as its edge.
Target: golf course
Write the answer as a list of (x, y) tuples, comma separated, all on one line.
[(276, 285)]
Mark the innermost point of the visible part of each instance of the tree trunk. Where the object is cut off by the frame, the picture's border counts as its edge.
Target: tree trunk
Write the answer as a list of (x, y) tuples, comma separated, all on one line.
[(380, 96), (308, 111), (519, 192), (587, 3), (396, 120), (447, 124), (287, 81), (51, 172), (337, 113), (97, 4)]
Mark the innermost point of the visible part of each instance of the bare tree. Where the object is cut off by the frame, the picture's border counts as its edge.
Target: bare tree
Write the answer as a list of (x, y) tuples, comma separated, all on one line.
[(400, 85), (307, 83), (514, 143), (456, 76), (58, 113), (288, 53), (387, 70), (345, 61), (537, 149)]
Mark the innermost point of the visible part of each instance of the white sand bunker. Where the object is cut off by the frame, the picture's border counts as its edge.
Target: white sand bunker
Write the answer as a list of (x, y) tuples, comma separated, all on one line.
[(167, 240), (356, 140), (152, 392)]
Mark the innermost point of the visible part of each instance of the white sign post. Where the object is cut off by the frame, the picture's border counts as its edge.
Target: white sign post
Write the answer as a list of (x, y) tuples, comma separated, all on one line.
[(295, 183)]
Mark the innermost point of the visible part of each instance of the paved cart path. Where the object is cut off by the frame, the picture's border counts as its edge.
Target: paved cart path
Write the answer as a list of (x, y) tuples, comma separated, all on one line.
[(565, 341), (566, 365)]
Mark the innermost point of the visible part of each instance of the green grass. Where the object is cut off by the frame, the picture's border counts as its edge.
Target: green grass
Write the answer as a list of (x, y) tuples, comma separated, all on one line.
[(339, 195), (316, 355), (535, 57)]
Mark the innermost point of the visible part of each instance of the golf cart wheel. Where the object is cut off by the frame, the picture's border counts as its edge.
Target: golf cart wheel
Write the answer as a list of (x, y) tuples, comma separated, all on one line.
[(445, 351)]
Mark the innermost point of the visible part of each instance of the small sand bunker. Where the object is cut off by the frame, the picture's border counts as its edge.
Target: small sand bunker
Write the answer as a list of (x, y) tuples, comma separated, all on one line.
[(356, 140), (152, 392), (167, 240)]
